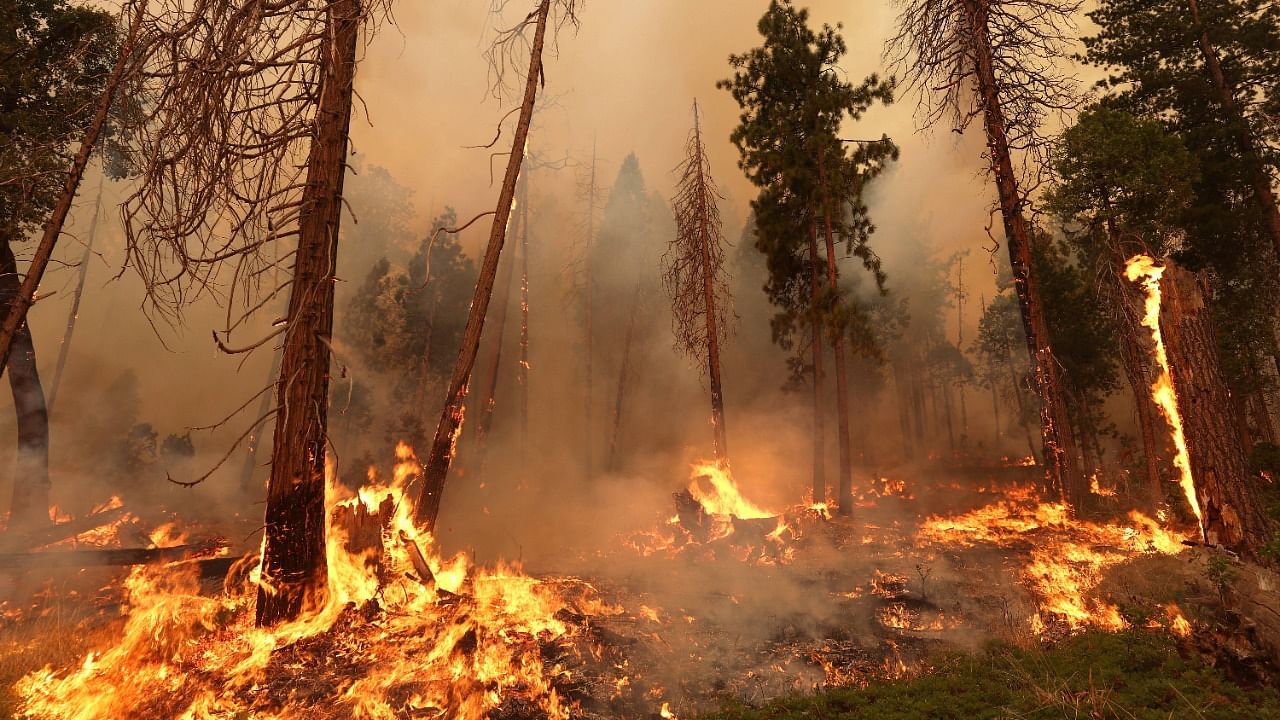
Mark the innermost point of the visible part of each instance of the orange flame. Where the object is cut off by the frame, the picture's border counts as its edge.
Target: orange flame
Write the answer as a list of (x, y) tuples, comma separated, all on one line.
[(724, 497), (1143, 268)]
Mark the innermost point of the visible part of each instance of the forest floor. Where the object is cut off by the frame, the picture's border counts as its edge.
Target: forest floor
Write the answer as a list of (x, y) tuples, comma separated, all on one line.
[(952, 598)]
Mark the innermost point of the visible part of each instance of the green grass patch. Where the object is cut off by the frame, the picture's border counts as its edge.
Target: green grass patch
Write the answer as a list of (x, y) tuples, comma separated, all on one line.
[(1133, 675)]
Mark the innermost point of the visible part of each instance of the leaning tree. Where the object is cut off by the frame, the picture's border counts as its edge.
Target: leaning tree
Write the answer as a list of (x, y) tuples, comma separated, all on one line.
[(557, 14), (695, 276), (999, 60)]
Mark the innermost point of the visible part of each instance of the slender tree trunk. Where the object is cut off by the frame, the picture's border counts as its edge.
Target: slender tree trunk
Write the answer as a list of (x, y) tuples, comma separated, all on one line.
[(995, 411), (918, 403), (1263, 195), (1060, 451), (819, 429), (255, 440), (624, 373), (1230, 509), (30, 506), (65, 348), (487, 397), (16, 315), (522, 371), (946, 411), (709, 300), (436, 471), (837, 347), (588, 443), (904, 410), (293, 558)]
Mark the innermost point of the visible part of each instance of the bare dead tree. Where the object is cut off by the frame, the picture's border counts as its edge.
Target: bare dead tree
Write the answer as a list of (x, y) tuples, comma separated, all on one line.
[(582, 289), (695, 276), (443, 446), (998, 59), (242, 147)]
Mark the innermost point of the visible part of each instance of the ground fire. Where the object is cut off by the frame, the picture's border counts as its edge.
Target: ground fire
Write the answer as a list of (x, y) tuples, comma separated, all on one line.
[(554, 360)]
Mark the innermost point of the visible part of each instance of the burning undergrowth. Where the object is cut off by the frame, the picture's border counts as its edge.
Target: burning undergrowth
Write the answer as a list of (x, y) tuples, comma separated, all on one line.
[(723, 597)]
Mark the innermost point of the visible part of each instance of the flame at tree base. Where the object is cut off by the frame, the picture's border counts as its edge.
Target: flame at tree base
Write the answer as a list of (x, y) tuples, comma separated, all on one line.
[(385, 644)]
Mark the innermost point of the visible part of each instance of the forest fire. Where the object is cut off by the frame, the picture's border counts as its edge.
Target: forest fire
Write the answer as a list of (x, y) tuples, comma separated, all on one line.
[(1143, 268)]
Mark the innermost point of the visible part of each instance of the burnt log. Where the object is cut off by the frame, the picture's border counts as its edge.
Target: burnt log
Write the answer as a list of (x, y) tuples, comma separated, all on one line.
[(62, 531), (99, 557)]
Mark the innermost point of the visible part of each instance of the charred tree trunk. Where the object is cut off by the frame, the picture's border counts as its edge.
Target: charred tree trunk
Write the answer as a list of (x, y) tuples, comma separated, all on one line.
[(1263, 194), (436, 471), (819, 430), (30, 508), (837, 347), (15, 316), (1060, 451), (293, 557), (1231, 513), (65, 348), (995, 412)]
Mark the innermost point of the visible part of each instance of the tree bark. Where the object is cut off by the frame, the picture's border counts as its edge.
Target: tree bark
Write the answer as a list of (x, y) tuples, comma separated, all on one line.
[(589, 433), (16, 315), (443, 446), (1060, 451), (30, 507), (65, 348), (489, 383), (904, 410), (819, 429), (837, 347), (522, 371), (709, 299), (293, 558), (1263, 195), (1229, 506)]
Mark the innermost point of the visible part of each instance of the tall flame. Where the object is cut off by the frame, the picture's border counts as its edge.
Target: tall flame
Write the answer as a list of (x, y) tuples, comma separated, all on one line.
[(724, 498), (1143, 268)]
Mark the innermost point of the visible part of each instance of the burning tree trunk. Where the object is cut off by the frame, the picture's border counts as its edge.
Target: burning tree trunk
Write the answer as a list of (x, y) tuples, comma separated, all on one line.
[(15, 317), (819, 430), (1228, 507), (953, 49), (293, 558), (1059, 443), (695, 276), (1134, 357), (443, 446), (30, 507), (837, 347), (65, 348)]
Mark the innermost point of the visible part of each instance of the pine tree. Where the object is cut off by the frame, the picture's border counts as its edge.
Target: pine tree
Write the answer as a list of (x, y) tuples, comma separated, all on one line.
[(794, 102)]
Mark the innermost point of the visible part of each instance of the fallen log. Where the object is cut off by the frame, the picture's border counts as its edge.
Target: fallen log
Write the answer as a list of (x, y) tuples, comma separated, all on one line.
[(99, 557), (61, 531)]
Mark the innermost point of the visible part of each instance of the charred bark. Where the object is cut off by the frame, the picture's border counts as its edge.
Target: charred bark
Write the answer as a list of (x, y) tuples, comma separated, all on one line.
[(624, 374), (443, 446), (1060, 451), (1229, 506), (293, 562), (489, 384), (522, 371)]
